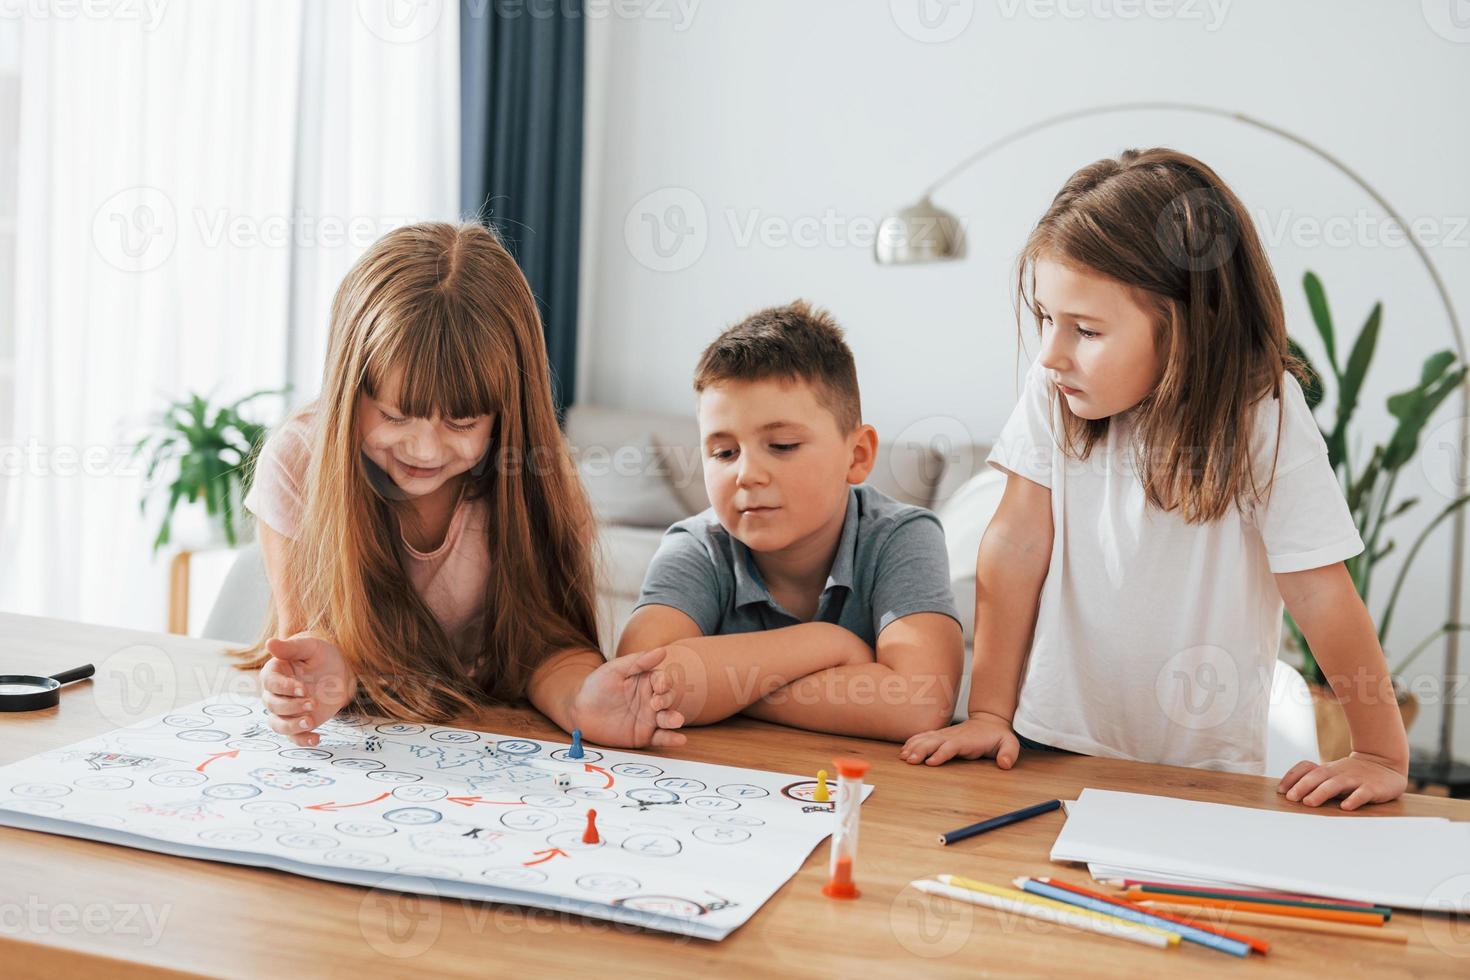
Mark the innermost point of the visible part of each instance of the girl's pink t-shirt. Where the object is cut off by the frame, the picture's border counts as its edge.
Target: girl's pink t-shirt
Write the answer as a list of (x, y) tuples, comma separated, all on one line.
[(451, 579)]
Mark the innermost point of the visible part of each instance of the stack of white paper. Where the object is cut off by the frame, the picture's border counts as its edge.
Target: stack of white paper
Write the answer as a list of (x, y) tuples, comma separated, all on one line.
[(1404, 862)]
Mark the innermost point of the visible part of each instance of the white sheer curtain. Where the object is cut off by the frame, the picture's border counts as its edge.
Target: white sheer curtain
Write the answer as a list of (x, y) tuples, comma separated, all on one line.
[(192, 186)]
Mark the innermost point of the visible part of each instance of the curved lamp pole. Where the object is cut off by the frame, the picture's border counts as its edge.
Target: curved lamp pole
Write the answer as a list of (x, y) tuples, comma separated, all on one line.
[(924, 232)]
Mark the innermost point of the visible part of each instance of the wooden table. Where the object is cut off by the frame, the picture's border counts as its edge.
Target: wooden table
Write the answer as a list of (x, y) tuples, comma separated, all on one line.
[(69, 906)]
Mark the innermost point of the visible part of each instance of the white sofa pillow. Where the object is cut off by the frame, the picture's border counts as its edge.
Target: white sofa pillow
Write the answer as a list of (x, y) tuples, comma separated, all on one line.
[(630, 485)]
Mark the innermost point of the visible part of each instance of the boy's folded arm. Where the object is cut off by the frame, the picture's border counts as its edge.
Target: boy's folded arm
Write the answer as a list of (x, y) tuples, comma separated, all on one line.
[(909, 688), (716, 676)]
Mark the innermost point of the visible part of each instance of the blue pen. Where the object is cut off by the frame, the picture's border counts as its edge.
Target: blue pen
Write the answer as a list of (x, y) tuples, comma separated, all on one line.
[(1232, 946)]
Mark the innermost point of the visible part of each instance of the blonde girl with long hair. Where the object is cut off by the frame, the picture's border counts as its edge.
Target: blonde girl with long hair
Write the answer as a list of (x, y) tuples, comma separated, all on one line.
[(428, 542), (1167, 490)]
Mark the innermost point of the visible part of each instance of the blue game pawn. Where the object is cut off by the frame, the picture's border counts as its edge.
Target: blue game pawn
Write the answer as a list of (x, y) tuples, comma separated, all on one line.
[(575, 752)]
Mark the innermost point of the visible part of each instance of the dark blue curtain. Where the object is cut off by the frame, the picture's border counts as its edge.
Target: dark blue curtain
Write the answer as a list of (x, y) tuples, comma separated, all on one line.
[(521, 150)]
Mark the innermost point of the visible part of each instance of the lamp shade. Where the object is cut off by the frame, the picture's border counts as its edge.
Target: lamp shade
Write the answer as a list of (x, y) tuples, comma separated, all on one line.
[(919, 233)]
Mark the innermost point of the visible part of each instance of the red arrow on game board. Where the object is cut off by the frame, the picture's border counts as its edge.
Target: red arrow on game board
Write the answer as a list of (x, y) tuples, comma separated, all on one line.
[(554, 852), (342, 806), (218, 755), (591, 768), (472, 800)]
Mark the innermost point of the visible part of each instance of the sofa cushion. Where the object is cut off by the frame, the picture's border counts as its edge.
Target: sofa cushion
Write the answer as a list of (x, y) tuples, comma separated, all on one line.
[(630, 485), (624, 554)]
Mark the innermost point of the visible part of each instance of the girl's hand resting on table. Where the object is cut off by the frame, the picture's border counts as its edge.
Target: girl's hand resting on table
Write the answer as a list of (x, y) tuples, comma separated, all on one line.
[(627, 703), (1360, 777), (975, 738), (304, 683)]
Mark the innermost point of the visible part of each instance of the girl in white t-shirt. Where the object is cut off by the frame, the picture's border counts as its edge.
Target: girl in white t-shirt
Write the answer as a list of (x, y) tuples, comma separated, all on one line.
[(1167, 489), (428, 542)]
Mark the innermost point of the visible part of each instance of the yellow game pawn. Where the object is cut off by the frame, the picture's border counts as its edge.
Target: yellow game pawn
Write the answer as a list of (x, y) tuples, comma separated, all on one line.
[(820, 795)]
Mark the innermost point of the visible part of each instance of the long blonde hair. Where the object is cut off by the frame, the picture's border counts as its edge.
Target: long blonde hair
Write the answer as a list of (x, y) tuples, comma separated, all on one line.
[(1165, 225), (447, 306)]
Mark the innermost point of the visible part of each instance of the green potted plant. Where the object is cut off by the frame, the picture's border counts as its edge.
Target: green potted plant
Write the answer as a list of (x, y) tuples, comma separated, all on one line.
[(1369, 484), (200, 453)]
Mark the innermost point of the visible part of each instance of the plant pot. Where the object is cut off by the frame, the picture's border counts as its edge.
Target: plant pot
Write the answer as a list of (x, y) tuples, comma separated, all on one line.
[(1334, 741)]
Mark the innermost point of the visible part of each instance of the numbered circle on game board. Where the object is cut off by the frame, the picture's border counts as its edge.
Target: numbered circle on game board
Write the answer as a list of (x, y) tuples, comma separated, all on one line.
[(588, 756), (571, 840), (636, 770), (355, 859), (742, 791), (363, 828), (203, 735), (711, 804), (736, 819), (305, 754), (609, 884), (253, 744), (528, 820), (684, 908), (229, 835), (716, 834), (513, 876), (649, 795), (413, 816), (231, 791), (456, 736), (360, 765), (517, 746), (40, 791), (103, 781), (283, 823), (592, 793), (393, 776), (185, 721), (652, 845), (551, 801), (33, 806), (400, 728), (269, 806), (420, 794), (226, 710), (177, 778), (679, 784), (307, 841), (453, 845)]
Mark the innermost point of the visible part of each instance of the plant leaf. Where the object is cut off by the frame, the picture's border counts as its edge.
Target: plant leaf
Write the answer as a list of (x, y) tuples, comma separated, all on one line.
[(1317, 300)]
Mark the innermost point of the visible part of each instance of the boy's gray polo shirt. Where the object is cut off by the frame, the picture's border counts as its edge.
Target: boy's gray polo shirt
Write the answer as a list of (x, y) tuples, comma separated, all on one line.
[(890, 563)]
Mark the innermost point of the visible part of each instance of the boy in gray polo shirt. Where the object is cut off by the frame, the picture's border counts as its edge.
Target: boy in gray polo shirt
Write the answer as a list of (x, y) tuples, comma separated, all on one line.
[(801, 596)]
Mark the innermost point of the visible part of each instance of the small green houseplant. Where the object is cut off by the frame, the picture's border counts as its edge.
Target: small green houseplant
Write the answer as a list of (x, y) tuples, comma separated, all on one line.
[(201, 453), (1369, 481)]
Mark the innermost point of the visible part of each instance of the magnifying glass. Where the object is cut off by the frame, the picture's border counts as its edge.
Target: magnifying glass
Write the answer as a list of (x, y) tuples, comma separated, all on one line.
[(23, 692)]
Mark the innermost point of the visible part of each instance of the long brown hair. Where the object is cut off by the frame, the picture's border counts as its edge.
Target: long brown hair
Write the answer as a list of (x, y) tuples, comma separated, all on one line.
[(447, 305), (1167, 227)]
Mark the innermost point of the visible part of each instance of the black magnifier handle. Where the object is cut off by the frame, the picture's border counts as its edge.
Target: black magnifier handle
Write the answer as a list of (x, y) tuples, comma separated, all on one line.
[(75, 674)]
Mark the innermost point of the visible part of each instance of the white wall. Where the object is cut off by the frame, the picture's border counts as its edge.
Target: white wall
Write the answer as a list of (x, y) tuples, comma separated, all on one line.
[(814, 119)]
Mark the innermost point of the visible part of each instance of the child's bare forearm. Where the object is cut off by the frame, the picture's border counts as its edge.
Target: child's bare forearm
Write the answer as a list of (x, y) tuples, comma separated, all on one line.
[(1343, 640), (556, 682), (862, 700), (718, 676), (1009, 572)]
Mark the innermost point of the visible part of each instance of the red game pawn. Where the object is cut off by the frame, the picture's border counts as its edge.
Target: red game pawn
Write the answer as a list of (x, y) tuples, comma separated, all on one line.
[(589, 836)]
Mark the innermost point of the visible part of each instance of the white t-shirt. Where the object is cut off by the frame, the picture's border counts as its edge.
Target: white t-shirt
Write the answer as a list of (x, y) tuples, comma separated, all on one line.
[(1155, 639)]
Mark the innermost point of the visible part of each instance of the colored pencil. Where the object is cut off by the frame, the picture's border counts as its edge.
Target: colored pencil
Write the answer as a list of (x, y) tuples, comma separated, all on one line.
[(1005, 819), (1126, 883), (1013, 894), (1297, 911), (1259, 945), (1308, 903), (1232, 916), (1028, 907)]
